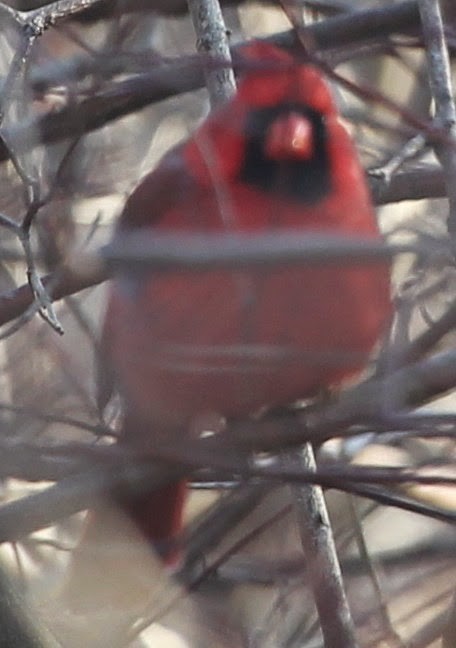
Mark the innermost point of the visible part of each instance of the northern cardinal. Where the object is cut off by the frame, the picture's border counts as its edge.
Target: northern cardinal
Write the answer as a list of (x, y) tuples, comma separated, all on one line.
[(231, 341)]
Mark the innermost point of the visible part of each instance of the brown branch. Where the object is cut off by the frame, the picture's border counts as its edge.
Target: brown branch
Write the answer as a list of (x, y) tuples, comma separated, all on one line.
[(75, 493), (413, 184), (203, 535), (171, 79), (449, 631), (128, 477), (35, 21), (366, 403), (67, 281), (220, 457), (106, 8)]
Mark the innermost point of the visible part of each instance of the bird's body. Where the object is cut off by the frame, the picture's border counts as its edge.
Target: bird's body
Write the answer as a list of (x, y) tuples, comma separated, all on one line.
[(231, 341)]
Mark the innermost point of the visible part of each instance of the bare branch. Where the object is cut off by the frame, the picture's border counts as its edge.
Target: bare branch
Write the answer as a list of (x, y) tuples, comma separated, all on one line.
[(441, 86), (36, 21), (418, 183), (212, 39), (174, 78), (74, 494), (204, 251), (120, 472), (372, 400), (410, 150), (321, 558), (68, 281)]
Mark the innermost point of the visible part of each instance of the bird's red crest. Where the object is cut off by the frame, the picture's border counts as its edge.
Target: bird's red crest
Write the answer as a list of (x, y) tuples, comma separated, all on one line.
[(275, 76)]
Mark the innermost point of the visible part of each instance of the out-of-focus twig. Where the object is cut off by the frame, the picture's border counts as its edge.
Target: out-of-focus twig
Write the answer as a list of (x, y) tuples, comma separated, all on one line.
[(66, 281), (169, 251), (229, 511), (417, 183), (76, 493), (184, 75), (84, 489), (407, 387), (31, 25), (180, 253), (449, 632), (411, 149), (16, 72), (36, 21), (19, 628), (366, 559), (441, 87)]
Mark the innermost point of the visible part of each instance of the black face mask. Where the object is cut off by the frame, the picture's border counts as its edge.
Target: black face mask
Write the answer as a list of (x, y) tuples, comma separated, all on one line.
[(305, 181)]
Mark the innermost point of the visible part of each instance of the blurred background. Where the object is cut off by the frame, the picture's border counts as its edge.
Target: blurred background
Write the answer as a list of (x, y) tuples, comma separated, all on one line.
[(398, 566)]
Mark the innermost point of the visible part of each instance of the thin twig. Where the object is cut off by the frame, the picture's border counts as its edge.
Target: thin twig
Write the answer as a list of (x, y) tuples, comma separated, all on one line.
[(35, 413), (16, 72), (366, 559), (61, 283), (449, 632), (32, 24), (407, 387), (128, 477), (36, 21), (410, 150), (90, 272), (19, 628), (26, 316), (40, 294), (207, 533)]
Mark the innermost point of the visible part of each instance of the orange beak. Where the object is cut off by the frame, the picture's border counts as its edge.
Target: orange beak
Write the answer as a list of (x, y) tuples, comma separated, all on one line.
[(289, 137)]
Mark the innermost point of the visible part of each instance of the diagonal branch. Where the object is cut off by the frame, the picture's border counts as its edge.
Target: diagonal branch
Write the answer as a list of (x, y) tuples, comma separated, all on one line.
[(441, 87)]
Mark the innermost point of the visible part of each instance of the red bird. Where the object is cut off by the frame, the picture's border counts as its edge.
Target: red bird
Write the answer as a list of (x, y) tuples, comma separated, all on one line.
[(231, 341)]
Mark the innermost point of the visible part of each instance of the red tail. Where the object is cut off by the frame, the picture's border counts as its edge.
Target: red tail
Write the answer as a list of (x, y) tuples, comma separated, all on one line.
[(157, 512), (158, 515)]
